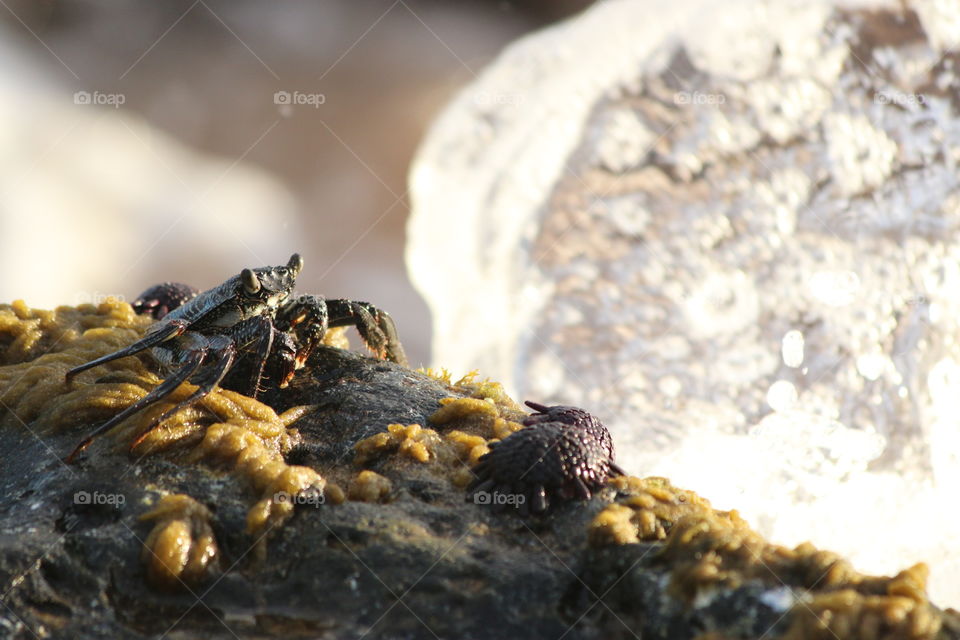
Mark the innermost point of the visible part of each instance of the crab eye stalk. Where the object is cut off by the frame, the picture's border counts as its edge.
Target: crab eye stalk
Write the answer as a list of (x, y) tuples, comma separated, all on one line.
[(250, 282), (295, 264)]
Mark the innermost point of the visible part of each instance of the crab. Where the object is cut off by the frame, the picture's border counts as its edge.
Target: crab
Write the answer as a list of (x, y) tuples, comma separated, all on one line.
[(199, 337), (161, 299), (563, 453)]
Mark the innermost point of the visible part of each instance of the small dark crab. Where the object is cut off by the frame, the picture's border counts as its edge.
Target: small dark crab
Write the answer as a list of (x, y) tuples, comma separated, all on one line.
[(198, 337), (564, 453), (161, 299)]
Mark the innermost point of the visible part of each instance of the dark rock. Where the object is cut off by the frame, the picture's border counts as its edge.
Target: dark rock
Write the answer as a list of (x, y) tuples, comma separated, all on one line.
[(423, 564)]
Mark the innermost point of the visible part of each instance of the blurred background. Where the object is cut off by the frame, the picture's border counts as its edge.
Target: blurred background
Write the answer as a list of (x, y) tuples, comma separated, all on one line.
[(184, 140)]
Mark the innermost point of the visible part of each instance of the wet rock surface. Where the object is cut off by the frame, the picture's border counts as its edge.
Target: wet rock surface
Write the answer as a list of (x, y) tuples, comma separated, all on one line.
[(79, 543), (72, 563), (355, 397)]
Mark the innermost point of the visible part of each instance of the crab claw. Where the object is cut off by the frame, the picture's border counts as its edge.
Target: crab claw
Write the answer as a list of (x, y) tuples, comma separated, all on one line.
[(295, 264), (289, 368)]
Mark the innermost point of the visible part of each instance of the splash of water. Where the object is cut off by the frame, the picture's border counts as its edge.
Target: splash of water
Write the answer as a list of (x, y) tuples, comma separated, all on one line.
[(798, 476)]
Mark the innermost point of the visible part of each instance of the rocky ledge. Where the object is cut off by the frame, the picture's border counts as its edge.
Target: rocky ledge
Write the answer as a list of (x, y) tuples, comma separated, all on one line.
[(336, 508)]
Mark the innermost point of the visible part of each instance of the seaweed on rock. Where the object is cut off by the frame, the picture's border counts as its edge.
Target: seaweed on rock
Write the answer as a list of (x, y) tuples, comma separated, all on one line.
[(241, 501)]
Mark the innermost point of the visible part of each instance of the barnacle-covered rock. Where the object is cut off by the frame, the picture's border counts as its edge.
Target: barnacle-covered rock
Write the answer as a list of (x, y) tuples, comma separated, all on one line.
[(703, 236), (710, 559), (241, 501)]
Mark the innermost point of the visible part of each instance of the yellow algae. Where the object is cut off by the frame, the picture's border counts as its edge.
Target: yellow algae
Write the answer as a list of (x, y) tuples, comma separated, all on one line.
[(493, 392), (440, 375), (453, 409), (489, 390), (462, 477), (910, 583), (484, 403), (850, 615), (456, 451), (283, 488), (67, 337), (38, 347), (181, 548), (229, 432), (370, 487), (485, 410), (444, 376), (477, 416), (27, 333), (293, 414), (468, 447), (473, 423), (259, 460), (616, 524), (647, 512), (503, 428), (412, 441), (705, 548), (334, 494)]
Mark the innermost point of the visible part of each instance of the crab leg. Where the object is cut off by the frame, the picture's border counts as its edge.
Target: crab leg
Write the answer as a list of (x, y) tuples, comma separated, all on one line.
[(172, 329), (258, 329), (394, 349), (207, 380), (307, 316), (376, 327), (190, 364), (264, 328)]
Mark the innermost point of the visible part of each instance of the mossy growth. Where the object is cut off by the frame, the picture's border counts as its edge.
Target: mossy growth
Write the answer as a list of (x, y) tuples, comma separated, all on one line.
[(482, 413), (411, 441), (648, 512), (702, 549), (369, 486), (395, 450), (181, 548), (480, 407), (225, 429), (707, 549), (465, 425)]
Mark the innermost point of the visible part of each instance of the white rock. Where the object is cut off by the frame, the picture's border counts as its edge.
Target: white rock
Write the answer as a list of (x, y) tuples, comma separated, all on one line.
[(773, 185)]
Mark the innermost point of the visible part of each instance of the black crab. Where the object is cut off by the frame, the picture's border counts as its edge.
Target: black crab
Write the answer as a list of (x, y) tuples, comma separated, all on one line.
[(563, 453), (199, 336)]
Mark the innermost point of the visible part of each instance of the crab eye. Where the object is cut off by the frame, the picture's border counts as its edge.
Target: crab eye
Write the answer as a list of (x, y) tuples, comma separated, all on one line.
[(250, 282), (295, 264)]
